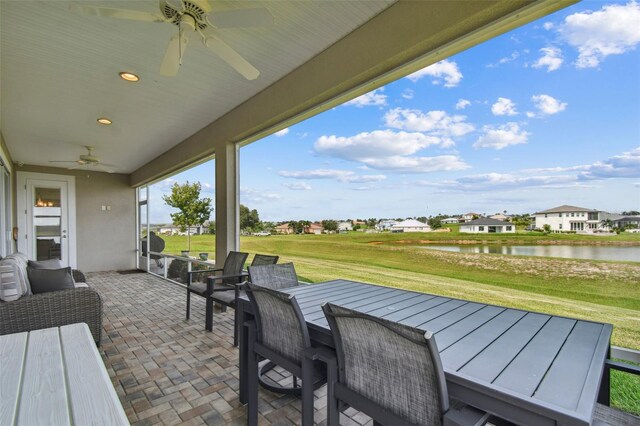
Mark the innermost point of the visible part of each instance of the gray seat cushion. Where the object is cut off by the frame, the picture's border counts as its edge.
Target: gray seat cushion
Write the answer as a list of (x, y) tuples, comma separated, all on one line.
[(226, 297)]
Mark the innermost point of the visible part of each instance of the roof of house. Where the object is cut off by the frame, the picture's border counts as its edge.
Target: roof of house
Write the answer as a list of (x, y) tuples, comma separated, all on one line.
[(566, 208), (283, 226), (410, 223), (487, 222)]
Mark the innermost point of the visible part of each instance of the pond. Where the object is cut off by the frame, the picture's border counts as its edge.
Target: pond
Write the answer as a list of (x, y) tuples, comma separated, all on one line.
[(616, 253)]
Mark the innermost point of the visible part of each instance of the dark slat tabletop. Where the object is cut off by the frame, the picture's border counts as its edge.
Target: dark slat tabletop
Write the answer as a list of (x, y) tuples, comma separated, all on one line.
[(550, 365)]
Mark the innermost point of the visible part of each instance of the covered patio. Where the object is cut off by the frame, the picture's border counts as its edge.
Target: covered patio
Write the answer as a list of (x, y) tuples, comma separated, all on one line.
[(60, 75)]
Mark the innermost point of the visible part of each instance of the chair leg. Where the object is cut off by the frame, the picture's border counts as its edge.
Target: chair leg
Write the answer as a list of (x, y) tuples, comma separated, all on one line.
[(307, 393), (188, 304), (252, 385), (208, 320), (236, 324), (333, 404)]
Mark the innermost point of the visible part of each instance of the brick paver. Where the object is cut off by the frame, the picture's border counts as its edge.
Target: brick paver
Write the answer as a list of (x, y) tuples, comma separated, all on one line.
[(169, 370)]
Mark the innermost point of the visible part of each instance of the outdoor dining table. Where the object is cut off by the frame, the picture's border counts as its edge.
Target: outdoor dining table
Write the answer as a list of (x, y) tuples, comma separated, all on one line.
[(526, 367)]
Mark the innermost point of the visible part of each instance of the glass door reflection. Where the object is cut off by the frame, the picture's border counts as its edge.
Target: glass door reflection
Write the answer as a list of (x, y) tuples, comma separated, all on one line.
[(47, 223)]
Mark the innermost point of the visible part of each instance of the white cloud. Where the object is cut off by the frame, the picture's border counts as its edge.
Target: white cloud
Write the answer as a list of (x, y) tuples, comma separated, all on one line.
[(548, 25), (462, 103), (282, 132), (375, 98), (418, 164), (501, 181), (339, 175), (501, 137), (612, 30), (444, 72), (625, 165), (636, 184), (546, 105), (254, 196), (437, 123), (376, 144), (506, 59), (504, 106), (407, 94), (551, 59), (298, 186)]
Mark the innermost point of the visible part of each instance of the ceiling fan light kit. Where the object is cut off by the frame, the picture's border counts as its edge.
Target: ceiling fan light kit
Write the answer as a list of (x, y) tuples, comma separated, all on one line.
[(104, 121), (193, 16), (129, 76)]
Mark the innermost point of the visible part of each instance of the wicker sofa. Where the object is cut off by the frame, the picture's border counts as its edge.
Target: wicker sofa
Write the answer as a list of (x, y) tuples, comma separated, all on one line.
[(53, 309)]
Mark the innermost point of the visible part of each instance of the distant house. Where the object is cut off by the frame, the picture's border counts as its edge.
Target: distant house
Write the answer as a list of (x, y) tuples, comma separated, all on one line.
[(450, 221), (177, 230), (572, 218), (385, 225), (410, 225), (345, 226), (625, 221), (500, 216), (283, 229), (314, 228), (468, 217), (488, 226)]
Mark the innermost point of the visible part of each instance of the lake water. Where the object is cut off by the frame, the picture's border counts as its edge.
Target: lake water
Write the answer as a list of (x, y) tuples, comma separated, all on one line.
[(619, 253)]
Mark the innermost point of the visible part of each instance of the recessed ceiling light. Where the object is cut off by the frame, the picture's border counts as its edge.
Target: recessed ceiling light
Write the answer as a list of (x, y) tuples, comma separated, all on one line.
[(104, 120), (129, 76)]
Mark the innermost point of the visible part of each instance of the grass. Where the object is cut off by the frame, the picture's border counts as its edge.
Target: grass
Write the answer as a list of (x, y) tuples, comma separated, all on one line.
[(592, 290)]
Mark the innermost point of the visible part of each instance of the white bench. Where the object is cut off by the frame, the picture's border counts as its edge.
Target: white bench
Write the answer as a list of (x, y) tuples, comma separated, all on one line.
[(55, 376)]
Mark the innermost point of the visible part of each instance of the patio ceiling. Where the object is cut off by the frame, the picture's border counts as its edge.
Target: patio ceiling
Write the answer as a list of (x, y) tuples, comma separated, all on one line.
[(60, 73)]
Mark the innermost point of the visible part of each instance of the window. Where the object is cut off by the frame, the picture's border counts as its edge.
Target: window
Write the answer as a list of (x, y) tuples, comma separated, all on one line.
[(572, 214), (560, 226), (508, 228), (593, 216), (545, 215), (559, 214), (480, 228)]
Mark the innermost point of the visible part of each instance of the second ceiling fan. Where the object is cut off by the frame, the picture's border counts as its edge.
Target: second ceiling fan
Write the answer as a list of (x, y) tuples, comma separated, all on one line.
[(192, 16)]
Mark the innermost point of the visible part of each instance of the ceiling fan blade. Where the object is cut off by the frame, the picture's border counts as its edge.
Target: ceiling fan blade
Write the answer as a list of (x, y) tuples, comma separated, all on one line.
[(231, 57), (107, 165), (171, 62), (77, 166), (135, 15), (62, 161), (242, 18)]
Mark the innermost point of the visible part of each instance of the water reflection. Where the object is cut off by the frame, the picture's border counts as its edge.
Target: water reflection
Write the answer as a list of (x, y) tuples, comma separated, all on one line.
[(617, 253)]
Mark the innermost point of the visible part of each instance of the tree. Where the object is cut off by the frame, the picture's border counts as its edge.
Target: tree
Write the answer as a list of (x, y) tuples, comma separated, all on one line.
[(606, 223), (435, 222), (193, 210), (249, 219), (371, 222), (304, 225), (330, 225), (546, 228), (296, 226), (631, 213)]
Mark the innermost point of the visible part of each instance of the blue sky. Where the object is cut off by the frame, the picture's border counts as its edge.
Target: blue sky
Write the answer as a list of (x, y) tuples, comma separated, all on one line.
[(544, 115)]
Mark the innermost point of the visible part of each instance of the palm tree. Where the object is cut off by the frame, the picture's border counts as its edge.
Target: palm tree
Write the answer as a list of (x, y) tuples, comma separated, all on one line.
[(606, 223)]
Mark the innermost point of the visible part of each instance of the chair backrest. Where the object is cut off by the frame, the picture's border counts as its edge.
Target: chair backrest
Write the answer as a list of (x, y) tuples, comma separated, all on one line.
[(280, 324), (277, 276), (396, 366), (264, 259), (233, 265)]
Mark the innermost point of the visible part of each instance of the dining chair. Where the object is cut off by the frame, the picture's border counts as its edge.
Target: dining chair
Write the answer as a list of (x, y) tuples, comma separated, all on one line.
[(230, 274), (226, 293), (279, 333), (389, 371)]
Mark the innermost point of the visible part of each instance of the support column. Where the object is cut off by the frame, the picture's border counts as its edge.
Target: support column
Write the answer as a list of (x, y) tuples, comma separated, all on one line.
[(227, 201)]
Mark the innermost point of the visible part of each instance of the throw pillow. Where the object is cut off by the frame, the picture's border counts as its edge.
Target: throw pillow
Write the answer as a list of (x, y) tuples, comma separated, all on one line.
[(13, 279), (45, 280), (46, 264)]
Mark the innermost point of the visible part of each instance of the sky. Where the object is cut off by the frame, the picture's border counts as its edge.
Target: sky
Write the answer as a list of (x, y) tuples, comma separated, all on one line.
[(545, 115)]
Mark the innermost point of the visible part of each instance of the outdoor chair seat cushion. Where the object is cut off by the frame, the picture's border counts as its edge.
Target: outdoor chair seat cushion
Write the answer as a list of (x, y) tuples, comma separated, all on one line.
[(227, 297), (199, 288)]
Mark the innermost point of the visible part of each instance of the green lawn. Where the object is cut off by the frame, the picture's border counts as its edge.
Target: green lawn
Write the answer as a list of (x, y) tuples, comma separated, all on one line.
[(593, 290)]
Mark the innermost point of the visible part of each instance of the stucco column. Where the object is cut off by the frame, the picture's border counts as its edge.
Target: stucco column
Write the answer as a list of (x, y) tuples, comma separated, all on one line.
[(227, 201)]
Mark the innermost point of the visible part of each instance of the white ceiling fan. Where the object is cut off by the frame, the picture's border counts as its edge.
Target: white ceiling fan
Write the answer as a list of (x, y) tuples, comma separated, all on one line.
[(88, 160), (192, 16)]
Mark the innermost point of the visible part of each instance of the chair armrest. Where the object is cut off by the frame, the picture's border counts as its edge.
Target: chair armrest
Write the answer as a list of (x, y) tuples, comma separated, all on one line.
[(323, 354), (623, 366), (53, 309), (212, 279), (460, 414)]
